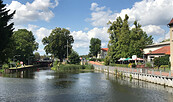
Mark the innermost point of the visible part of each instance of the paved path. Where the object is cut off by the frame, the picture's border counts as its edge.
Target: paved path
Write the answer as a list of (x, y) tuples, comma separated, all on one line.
[(157, 73)]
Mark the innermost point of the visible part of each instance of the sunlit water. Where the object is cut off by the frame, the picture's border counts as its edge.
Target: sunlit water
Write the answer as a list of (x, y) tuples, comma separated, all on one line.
[(50, 86)]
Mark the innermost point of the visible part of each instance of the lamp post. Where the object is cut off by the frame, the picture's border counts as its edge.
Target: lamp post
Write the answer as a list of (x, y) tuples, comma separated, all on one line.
[(67, 49)]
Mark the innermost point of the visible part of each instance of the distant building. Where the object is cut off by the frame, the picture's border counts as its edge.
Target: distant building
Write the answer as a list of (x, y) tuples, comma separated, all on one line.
[(103, 53), (156, 50)]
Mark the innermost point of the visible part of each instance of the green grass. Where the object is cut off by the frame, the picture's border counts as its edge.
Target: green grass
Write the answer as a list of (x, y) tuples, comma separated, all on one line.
[(1, 70), (119, 65)]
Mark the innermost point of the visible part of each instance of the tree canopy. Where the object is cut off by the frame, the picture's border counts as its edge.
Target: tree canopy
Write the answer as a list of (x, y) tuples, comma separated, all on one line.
[(74, 58), (95, 46), (6, 30), (25, 44), (57, 43), (37, 56), (125, 42)]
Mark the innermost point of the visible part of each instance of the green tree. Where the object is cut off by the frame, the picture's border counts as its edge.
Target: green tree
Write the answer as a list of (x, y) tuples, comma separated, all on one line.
[(37, 56), (6, 31), (25, 44), (57, 43), (74, 58), (95, 46), (125, 42), (163, 60), (138, 40)]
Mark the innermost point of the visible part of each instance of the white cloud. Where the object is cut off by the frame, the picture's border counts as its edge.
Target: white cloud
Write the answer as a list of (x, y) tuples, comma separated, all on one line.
[(94, 7), (153, 30), (42, 32), (100, 17), (85, 29), (37, 10), (147, 12), (82, 39)]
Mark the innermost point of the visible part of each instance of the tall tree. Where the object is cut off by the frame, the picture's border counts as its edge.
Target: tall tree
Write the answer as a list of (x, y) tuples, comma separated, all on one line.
[(6, 30), (125, 42), (138, 40), (25, 44), (57, 43), (95, 46)]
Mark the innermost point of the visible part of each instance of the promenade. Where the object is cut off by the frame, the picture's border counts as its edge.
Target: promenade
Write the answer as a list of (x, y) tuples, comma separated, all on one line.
[(136, 70)]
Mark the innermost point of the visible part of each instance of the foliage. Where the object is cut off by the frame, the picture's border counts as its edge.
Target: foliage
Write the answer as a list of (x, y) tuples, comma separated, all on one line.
[(125, 42), (25, 44), (5, 66), (164, 66), (37, 56), (165, 40), (163, 60), (148, 64), (95, 46), (107, 60), (100, 59), (6, 31), (74, 58), (74, 67), (92, 59), (57, 43), (132, 64), (119, 65)]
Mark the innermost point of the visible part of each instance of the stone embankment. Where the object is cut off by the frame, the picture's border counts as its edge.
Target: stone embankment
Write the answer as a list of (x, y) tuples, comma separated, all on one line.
[(157, 77)]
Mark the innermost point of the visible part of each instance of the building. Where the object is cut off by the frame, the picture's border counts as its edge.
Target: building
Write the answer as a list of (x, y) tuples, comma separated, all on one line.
[(165, 50), (103, 53), (156, 50)]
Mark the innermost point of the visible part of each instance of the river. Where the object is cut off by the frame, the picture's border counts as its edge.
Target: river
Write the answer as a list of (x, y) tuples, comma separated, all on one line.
[(50, 86)]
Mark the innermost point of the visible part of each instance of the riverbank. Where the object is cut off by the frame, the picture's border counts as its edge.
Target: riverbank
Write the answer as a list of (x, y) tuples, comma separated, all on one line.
[(157, 77), (72, 67)]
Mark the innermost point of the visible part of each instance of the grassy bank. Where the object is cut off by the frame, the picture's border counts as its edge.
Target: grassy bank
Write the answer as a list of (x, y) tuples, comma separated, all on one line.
[(1, 70), (73, 67)]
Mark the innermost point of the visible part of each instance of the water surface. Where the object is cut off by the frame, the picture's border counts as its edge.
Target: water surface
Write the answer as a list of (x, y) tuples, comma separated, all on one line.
[(50, 86)]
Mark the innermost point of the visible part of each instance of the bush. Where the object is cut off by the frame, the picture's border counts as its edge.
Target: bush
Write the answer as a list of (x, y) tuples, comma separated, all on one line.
[(75, 67), (148, 64), (92, 59), (164, 66), (107, 60), (74, 58), (119, 65), (5, 66), (100, 59)]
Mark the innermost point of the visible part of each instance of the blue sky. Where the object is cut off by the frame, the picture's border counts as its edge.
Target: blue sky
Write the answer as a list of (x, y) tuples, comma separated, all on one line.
[(87, 18)]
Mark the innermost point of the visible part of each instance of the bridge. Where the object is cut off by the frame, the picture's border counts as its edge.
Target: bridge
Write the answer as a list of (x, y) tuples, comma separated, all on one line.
[(45, 63)]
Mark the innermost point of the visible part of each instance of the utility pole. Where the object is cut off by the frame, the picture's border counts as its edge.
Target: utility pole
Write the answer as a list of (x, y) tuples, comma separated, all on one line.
[(67, 49)]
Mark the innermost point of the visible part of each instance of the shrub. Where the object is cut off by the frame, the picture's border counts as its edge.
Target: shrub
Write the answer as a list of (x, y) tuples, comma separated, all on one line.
[(5, 66), (119, 65), (92, 59), (100, 59), (107, 60), (74, 58), (148, 64)]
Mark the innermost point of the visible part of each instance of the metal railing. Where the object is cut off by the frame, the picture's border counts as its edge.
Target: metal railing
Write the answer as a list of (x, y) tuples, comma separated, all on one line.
[(136, 70)]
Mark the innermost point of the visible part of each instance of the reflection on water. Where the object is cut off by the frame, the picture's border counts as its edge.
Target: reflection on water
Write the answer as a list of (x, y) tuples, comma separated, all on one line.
[(49, 86)]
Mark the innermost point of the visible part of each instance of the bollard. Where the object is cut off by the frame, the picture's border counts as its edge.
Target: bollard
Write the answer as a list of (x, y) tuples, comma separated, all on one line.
[(169, 73), (160, 73)]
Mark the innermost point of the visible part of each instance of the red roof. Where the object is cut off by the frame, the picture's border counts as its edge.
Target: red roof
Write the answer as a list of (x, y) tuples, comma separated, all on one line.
[(162, 50), (171, 22), (104, 49)]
